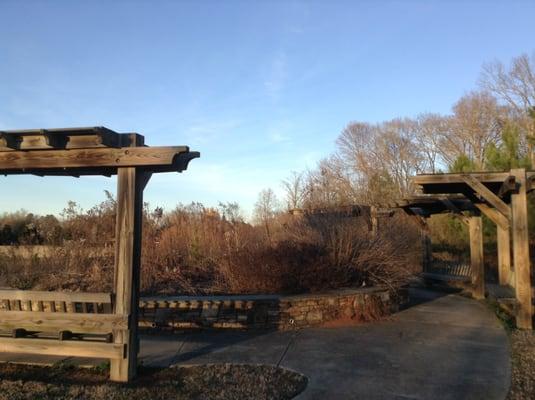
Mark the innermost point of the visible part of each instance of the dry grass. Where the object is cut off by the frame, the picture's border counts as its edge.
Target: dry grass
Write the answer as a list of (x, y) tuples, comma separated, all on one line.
[(209, 382), (197, 251), (522, 365)]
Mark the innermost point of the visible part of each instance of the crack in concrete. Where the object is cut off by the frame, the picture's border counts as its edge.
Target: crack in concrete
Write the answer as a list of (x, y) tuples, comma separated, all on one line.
[(290, 342)]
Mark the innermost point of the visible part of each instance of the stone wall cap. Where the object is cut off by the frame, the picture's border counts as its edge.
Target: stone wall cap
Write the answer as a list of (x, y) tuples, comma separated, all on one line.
[(272, 297)]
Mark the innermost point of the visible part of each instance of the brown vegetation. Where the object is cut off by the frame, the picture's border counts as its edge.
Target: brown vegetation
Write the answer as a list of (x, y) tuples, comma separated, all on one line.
[(206, 382), (197, 250)]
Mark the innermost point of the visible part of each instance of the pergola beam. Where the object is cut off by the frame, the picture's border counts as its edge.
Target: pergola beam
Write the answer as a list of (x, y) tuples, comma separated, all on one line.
[(486, 194), (157, 159), (494, 215), (490, 192), (96, 151)]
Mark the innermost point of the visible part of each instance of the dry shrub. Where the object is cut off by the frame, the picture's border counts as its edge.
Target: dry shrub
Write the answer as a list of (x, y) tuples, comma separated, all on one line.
[(73, 267), (196, 250)]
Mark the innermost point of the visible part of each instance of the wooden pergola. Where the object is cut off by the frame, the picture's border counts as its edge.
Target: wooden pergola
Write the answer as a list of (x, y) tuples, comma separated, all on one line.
[(82, 152), (502, 197)]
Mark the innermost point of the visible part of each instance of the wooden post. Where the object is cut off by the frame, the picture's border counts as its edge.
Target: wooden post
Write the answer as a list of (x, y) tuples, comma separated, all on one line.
[(476, 256), (426, 250), (504, 256), (130, 184), (522, 265)]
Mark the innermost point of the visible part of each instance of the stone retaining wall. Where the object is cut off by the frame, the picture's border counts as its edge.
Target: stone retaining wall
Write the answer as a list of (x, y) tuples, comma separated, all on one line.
[(268, 311)]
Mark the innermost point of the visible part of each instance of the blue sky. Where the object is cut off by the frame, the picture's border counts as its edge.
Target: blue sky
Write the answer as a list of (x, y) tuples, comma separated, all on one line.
[(260, 88)]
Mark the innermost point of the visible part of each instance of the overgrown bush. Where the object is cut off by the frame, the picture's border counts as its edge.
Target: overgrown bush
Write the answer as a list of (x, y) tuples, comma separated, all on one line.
[(197, 250)]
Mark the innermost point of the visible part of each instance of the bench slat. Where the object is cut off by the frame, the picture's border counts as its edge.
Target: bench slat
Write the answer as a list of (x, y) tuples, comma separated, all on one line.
[(63, 348), (36, 295), (76, 323)]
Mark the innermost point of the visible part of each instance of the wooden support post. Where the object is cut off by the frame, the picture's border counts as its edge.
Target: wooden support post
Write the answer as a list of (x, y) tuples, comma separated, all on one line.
[(130, 184), (522, 265), (504, 256), (428, 252), (476, 257)]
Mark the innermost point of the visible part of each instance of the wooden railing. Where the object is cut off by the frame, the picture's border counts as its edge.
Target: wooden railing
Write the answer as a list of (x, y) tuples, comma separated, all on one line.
[(45, 322)]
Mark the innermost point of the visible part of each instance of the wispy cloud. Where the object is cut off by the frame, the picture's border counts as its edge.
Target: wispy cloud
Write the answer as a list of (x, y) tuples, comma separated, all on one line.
[(277, 76), (205, 132), (278, 137)]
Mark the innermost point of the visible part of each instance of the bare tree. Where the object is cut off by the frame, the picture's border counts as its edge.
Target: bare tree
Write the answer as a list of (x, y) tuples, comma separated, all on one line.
[(381, 158), (476, 123), (429, 130), (329, 185), (295, 190), (266, 207), (515, 85)]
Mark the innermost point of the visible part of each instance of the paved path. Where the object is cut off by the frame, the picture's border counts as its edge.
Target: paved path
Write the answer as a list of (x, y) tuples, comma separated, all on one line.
[(447, 347)]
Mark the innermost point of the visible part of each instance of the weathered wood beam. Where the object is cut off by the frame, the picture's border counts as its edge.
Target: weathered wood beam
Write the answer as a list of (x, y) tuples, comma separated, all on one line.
[(91, 158), (9, 142), (70, 138), (62, 348), (495, 177), (38, 295), (522, 265), (58, 321), (486, 194), (494, 215), (130, 183), (504, 255), (476, 257), (508, 186)]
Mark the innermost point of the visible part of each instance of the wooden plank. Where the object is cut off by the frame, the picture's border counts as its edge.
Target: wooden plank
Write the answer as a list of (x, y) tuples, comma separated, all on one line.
[(484, 192), (9, 142), (521, 259), (70, 138), (476, 256), (130, 185), (180, 163), (58, 321), (504, 255), (62, 348), (90, 158), (445, 278), (496, 177), (494, 215), (38, 295)]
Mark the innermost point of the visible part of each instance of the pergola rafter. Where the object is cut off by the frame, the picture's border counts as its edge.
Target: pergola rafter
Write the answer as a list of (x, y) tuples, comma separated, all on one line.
[(93, 151)]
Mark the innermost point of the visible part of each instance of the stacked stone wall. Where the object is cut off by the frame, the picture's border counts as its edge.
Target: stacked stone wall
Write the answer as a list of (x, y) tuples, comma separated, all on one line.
[(268, 311)]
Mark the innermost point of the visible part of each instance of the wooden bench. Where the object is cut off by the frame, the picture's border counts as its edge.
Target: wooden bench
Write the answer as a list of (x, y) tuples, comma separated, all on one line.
[(60, 323)]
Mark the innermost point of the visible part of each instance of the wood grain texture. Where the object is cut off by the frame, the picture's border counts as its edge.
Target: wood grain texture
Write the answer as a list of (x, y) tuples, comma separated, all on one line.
[(522, 265), (487, 194), (130, 184), (494, 215), (504, 256), (476, 256), (44, 321), (497, 177), (90, 158), (62, 348), (38, 295)]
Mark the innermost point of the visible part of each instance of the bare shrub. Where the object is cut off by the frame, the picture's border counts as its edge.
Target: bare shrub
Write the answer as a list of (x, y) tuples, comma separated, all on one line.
[(198, 250)]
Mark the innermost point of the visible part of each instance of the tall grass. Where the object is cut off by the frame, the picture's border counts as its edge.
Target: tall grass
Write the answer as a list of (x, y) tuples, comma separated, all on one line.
[(196, 250)]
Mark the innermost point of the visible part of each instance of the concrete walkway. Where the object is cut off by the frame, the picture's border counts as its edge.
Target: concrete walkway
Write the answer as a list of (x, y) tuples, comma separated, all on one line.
[(447, 347)]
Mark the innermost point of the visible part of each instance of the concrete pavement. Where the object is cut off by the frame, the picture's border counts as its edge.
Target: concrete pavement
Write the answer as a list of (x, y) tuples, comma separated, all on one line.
[(447, 347)]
